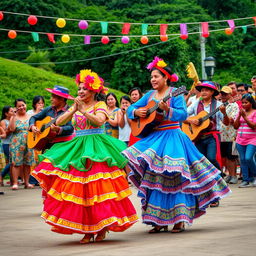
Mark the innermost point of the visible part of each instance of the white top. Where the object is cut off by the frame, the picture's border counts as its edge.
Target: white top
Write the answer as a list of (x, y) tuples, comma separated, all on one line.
[(124, 133)]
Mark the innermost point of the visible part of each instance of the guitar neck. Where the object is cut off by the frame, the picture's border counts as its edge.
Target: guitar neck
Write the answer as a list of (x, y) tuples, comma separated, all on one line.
[(167, 97), (213, 112), (51, 122)]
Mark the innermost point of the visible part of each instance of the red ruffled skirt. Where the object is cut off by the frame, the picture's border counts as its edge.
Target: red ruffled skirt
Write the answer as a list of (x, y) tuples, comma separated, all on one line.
[(85, 201)]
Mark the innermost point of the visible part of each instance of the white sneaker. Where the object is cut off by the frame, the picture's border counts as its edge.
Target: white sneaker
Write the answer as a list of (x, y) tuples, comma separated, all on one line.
[(245, 184), (254, 183), (234, 180)]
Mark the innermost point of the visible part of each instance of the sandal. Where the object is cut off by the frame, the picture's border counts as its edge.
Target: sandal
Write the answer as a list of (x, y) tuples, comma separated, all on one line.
[(15, 187), (158, 229), (178, 228), (87, 238), (29, 186), (215, 204), (101, 235)]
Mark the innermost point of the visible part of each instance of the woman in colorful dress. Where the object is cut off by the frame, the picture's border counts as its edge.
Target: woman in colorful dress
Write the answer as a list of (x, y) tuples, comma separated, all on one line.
[(21, 156), (87, 192), (111, 126), (176, 182)]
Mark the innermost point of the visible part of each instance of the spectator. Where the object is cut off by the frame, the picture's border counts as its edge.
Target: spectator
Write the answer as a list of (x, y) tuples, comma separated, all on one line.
[(111, 126), (124, 126), (253, 80), (7, 113), (236, 97), (246, 140), (135, 94), (228, 135), (37, 104), (21, 156), (2, 157)]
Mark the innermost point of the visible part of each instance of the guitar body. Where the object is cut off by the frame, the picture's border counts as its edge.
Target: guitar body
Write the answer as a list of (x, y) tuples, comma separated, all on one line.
[(192, 130), (141, 127), (39, 141)]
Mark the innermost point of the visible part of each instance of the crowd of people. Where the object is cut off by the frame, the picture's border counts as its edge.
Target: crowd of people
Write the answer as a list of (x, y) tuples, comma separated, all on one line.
[(90, 154)]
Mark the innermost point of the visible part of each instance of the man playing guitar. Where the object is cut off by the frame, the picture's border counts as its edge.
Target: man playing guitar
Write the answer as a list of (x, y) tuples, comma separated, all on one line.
[(59, 105), (208, 142)]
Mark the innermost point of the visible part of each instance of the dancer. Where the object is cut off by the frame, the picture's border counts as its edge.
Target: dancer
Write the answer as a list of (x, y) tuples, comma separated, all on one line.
[(176, 182), (87, 191)]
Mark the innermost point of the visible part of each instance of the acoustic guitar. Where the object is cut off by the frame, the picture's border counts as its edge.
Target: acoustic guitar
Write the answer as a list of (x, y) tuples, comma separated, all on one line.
[(193, 131), (142, 126), (39, 141)]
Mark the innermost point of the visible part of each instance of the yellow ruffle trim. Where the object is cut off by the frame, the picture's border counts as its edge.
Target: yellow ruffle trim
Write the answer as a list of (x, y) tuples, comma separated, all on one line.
[(110, 175), (89, 228), (90, 201)]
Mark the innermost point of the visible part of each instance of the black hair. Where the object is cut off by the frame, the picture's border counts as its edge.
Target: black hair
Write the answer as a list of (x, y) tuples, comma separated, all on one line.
[(232, 82), (168, 70), (126, 97), (36, 99), (112, 94), (5, 110), (249, 98), (136, 89), (246, 86), (100, 97), (17, 100)]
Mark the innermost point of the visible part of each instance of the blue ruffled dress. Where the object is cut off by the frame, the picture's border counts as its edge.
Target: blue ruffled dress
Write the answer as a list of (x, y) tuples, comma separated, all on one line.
[(174, 180)]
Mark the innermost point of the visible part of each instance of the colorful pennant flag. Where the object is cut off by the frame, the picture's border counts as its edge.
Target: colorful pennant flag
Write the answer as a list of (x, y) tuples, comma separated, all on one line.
[(87, 39), (144, 29), (126, 28), (104, 27), (163, 29), (51, 37), (35, 36)]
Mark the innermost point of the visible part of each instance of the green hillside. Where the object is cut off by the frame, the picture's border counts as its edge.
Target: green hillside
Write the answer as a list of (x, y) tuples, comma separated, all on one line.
[(20, 80)]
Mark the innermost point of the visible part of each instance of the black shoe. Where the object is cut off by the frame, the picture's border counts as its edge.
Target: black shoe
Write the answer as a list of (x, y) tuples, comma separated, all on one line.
[(1, 193)]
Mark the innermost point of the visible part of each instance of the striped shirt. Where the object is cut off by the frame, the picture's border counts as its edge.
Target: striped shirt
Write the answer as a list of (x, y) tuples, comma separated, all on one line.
[(245, 134)]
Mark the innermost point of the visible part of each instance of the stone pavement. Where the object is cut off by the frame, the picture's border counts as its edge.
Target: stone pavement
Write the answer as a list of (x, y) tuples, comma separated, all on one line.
[(227, 230)]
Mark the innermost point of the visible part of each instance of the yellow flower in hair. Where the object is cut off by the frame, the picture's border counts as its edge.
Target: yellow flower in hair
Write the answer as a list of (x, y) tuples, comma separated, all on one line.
[(161, 64), (90, 79)]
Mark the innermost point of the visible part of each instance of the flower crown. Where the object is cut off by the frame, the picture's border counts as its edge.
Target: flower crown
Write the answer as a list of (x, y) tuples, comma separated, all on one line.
[(160, 64), (91, 80)]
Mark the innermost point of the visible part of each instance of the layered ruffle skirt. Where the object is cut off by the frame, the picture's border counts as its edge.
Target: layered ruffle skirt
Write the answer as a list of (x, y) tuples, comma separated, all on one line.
[(85, 189), (175, 181)]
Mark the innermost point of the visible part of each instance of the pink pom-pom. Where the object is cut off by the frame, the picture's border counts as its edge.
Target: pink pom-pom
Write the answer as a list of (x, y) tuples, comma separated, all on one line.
[(174, 78)]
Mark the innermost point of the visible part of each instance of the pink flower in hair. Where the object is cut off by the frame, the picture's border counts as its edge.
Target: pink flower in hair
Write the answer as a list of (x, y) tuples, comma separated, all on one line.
[(89, 80), (152, 64)]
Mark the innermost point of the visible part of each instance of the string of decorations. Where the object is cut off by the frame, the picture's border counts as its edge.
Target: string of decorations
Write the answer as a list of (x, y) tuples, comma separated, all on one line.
[(125, 36)]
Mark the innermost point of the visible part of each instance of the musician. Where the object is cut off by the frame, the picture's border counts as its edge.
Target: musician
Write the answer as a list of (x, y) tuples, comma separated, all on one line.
[(208, 142), (59, 98), (176, 182)]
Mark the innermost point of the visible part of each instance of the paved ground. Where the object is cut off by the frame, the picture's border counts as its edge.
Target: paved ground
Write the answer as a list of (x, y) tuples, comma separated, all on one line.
[(227, 230)]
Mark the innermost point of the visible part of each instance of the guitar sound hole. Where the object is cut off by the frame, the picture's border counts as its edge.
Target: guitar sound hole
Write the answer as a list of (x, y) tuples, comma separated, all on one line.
[(42, 128)]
